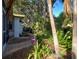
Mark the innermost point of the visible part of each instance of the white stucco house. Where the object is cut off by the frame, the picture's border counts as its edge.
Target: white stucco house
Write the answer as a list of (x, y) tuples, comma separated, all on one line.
[(17, 25)]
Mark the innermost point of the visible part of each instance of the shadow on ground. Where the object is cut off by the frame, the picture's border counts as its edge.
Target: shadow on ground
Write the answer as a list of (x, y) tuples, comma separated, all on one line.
[(69, 55), (20, 54)]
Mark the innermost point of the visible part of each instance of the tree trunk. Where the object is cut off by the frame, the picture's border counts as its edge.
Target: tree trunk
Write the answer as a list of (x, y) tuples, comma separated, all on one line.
[(56, 45), (74, 41), (67, 8)]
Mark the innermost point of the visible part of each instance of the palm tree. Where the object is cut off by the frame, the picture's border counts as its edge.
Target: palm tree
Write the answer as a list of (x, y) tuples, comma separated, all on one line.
[(56, 45), (70, 5), (74, 41), (67, 7)]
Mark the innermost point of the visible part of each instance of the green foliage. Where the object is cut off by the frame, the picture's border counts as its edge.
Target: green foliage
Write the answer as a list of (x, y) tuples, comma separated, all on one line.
[(40, 51), (42, 28), (65, 33), (65, 41), (42, 31), (67, 21)]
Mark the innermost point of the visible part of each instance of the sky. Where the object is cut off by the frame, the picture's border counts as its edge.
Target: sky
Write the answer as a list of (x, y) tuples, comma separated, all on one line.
[(58, 8)]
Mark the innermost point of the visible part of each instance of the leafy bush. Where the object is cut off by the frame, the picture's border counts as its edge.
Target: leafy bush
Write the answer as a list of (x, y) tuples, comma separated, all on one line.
[(40, 51), (65, 40), (41, 27)]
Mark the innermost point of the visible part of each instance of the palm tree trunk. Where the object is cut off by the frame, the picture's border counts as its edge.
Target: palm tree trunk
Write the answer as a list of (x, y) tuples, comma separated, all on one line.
[(74, 41), (56, 45), (67, 7)]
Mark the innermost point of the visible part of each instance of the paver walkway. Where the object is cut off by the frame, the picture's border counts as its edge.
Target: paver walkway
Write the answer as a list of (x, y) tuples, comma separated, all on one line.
[(15, 47), (17, 44), (20, 54)]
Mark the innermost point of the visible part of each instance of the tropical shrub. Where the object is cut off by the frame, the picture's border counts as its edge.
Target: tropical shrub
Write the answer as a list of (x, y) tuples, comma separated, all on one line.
[(40, 51)]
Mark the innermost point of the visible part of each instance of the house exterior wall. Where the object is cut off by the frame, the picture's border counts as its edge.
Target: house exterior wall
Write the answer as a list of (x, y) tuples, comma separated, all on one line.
[(17, 27), (21, 28)]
